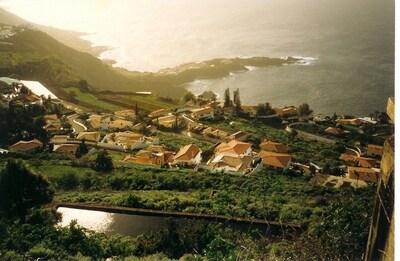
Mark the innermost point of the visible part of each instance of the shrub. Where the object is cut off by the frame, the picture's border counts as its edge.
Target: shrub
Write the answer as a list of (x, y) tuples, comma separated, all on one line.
[(68, 181)]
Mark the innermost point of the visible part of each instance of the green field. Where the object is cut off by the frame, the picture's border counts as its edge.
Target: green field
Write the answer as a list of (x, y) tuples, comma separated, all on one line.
[(92, 100), (147, 103)]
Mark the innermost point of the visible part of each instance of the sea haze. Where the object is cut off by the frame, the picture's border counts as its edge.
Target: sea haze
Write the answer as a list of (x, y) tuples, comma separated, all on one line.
[(352, 39)]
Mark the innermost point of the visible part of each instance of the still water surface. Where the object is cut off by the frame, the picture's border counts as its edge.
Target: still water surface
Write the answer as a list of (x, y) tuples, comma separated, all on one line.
[(132, 225)]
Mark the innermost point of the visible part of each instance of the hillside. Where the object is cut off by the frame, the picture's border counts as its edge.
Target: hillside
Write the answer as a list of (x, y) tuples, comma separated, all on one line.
[(67, 37), (34, 55)]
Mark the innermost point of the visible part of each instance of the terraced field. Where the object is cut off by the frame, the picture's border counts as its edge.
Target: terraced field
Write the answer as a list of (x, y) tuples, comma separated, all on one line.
[(92, 100)]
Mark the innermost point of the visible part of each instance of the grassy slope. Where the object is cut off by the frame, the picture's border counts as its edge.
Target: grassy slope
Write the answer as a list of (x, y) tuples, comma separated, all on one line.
[(269, 195), (70, 38), (147, 103), (91, 99), (36, 56), (264, 195)]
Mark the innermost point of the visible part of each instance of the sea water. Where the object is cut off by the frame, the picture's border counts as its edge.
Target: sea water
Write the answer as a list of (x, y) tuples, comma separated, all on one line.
[(350, 45)]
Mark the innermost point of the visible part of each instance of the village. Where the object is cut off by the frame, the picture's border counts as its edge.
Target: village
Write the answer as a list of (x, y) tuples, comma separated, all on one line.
[(136, 136)]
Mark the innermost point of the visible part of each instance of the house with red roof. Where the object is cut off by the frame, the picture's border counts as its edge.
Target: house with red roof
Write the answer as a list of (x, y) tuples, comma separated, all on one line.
[(66, 148), (274, 147), (234, 148), (275, 160), (126, 114), (366, 162), (119, 124), (348, 157), (352, 122), (239, 135), (129, 140), (159, 113), (364, 174), (231, 164), (26, 146), (89, 136), (374, 150), (251, 110), (286, 111), (153, 155), (189, 155), (201, 113)]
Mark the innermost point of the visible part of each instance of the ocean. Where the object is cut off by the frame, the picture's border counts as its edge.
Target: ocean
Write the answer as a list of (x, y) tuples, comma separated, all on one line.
[(352, 42)]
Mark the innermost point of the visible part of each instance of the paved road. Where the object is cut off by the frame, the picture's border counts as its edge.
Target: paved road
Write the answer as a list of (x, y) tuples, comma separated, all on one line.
[(77, 127)]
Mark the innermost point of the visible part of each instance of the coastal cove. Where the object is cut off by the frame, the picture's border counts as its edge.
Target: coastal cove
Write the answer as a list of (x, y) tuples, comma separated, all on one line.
[(354, 44), (317, 84)]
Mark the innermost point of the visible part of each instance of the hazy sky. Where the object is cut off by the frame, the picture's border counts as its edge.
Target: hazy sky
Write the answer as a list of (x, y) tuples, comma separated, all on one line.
[(82, 15), (89, 15)]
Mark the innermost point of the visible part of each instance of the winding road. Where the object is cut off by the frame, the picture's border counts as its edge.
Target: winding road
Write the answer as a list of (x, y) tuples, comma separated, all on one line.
[(76, 126)]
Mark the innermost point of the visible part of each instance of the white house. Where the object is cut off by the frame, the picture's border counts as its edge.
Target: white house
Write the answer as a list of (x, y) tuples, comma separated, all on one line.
[(201, 113)]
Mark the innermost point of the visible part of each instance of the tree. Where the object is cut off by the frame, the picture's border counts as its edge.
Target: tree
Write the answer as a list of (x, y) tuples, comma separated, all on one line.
[(38, 129), (136, 110), (304, 110), (188, 97), (83, 85), (264, 109), (21, 190), (103, 162), (261, 110), (376, 113), (236, 100), (227, 98), (82, 149), (208, 95)]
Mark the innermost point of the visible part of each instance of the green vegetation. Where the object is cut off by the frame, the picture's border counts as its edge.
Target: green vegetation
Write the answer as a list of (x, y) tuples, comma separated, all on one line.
[(147, 103), (21, 190), (304, 110), (103, 162), (174, 142), (330, 216), (275, 196), (91, 99), (24, 122), (264, 109)]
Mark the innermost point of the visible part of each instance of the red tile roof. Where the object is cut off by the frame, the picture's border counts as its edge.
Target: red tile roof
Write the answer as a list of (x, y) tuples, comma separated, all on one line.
[(366, 162), (347, 157), (274, 147), (26, 146), (365, 174), (233, 147), (374, 149), (187, 152), (66, 148), (273, 159)]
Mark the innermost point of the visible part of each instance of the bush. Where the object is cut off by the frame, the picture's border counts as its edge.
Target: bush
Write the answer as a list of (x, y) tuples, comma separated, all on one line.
[(87, 181), (68, 181), (39, 252), (294, 212), (103, 162)]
